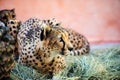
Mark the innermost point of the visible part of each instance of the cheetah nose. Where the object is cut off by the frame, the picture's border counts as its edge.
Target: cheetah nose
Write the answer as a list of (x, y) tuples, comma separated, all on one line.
[(70, 49)]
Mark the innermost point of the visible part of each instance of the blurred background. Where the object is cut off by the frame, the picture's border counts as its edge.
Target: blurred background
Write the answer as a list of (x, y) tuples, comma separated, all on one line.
[(98, 20)]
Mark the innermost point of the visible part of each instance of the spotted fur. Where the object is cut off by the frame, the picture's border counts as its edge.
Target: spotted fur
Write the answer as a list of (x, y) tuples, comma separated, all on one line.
[(80, 43), (14, 26), (40, 45), (6, 52), (6, 15)]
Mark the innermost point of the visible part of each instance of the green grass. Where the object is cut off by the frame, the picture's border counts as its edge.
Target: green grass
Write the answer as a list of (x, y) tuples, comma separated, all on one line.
[(99, 64)]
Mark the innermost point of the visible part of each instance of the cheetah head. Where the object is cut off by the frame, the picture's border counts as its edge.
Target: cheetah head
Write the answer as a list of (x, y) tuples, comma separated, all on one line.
[(6, 15), (56, 38)]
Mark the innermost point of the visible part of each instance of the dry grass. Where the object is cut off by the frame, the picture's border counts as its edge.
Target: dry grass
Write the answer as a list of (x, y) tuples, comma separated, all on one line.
[(100, 64)]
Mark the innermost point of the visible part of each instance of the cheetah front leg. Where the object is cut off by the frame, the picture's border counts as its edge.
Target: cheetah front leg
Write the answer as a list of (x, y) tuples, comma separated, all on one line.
[(55, 66), (58, 64)]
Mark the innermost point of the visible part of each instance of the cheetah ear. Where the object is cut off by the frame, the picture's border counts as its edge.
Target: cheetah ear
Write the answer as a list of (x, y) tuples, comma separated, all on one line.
[(45, 32), (13, 10)]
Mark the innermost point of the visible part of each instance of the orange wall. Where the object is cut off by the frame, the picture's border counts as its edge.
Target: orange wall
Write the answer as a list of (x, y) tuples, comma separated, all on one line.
[(98, 20)]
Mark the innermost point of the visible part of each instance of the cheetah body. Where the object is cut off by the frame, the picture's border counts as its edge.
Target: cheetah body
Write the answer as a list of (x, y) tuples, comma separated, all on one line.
[(40, 50), (41, 44)]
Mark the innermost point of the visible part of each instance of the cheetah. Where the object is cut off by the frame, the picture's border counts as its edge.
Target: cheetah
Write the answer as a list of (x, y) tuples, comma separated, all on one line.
[(39, 44), (6, 15), (14, 26), (80, 43), (6, 52)]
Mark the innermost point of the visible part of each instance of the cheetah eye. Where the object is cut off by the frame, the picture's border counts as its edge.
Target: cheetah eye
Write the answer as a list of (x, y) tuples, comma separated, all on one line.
[(13, 16), (4, 17)]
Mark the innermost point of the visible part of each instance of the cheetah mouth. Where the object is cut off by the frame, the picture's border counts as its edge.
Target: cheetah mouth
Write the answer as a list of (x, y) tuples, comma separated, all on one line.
[(63, 52)]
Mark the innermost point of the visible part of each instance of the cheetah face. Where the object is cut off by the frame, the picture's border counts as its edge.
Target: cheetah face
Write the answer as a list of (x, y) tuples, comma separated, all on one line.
[(57, 39), (6, 15)]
